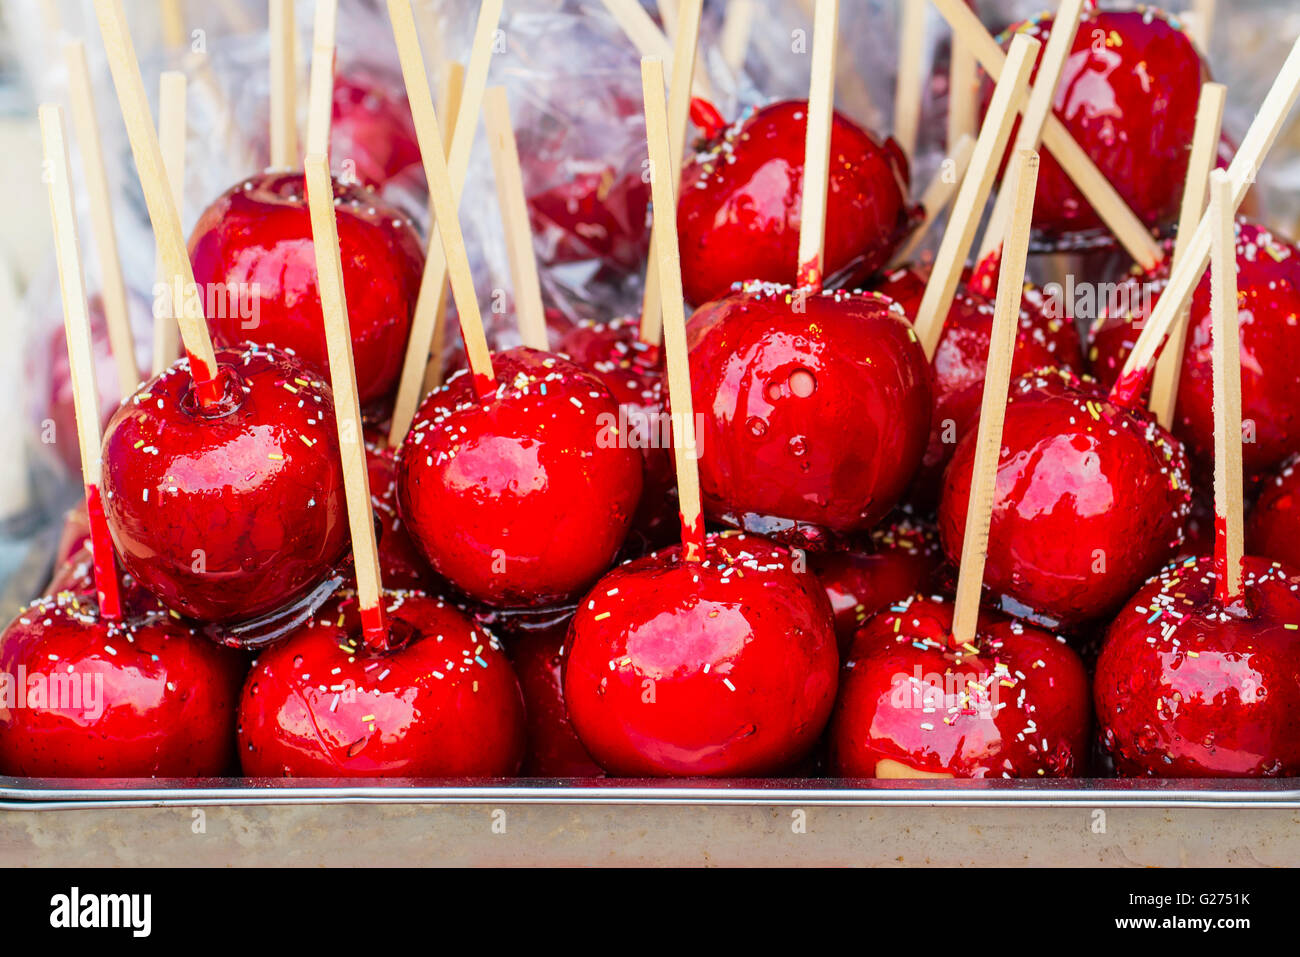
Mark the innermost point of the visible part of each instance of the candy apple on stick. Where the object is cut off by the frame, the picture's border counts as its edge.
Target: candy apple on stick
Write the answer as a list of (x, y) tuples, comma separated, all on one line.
[(1087, 178), (815, 404), (221, 483), (709, 658), (1011, 699), (1200, 673), (148, 696), (512, 482), (387, 683), (254, 242), (430, 307)]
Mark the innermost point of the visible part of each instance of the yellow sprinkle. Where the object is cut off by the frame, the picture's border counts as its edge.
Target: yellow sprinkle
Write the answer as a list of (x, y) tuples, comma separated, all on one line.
[(602, 616), (276, 457)]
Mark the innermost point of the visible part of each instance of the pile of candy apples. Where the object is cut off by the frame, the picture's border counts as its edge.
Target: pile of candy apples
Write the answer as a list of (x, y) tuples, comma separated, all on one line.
[(538, 619)]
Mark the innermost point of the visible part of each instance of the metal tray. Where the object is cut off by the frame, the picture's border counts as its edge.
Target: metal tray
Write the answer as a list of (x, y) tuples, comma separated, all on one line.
[(826, 822)]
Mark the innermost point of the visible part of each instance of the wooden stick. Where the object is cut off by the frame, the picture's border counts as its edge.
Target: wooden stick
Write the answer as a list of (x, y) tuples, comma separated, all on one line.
[(453, 83), (938, 194), (1065, 27), (670, 277), (679, 115), (997, 386), (911, 75), (445, 200), (737, 26), (284, 87), (320, 97), (640, 28), (171, 137), (163, 214), (811, 270), (1011, 90), (1200, 23), (668, 14), (113, 291), (963, 93), (347, 403), (433, 282), (81, 356), (1229, 508), (514, 213), (1130, 231), (1205, 149), (1187, 273), (173, 22)]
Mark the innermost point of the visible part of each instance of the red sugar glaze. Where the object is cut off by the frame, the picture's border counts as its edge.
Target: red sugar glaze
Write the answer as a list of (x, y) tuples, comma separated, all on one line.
[(738, 213), (1091, 499), (1273, 525), (256, 239), (1187, 687), (1268, 298), (1024, 711), (525, 499), (898, 559), (372, 128), (553, 747), (1128, 96), (714, 668), (441, 701), (815, 411), (230, 514), (154, 699), (401, 565)]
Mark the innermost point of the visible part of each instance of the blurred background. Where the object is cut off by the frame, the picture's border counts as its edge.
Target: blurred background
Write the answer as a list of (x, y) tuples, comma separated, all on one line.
[(574, 86)]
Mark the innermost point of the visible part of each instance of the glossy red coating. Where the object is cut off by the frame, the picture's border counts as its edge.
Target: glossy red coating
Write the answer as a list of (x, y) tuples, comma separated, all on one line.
[(815, 410), (1189, 687), (401, 565), (1268, 299), (143, 697), (1090, 500), (525, 499), (595, 214), (228, 514), (1273, 524), (371, 128), (1128, 96), (441, 701), (721, 667), (553, 747), (897, 560), (738, 212), (634, 374), (255, 241), (1014, 703), (961, 357)]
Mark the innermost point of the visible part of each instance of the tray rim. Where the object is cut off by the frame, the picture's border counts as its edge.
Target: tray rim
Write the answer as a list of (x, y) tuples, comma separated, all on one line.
[(18, 794)]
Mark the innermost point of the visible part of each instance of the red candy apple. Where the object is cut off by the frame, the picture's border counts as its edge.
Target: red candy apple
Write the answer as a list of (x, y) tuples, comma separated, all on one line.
[(720, 667), (738, 212), (1128, 96), (596, 214), (899, 559), (253, 257), (815, 410), (1268, 296), (84, 697), (401, 565), (553, 748), (960, 359), (1014, 703), (372, 129), (229, 512), (525, 498), (1190, 687), (1091, 499), (439, 701), (1273, 528)]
